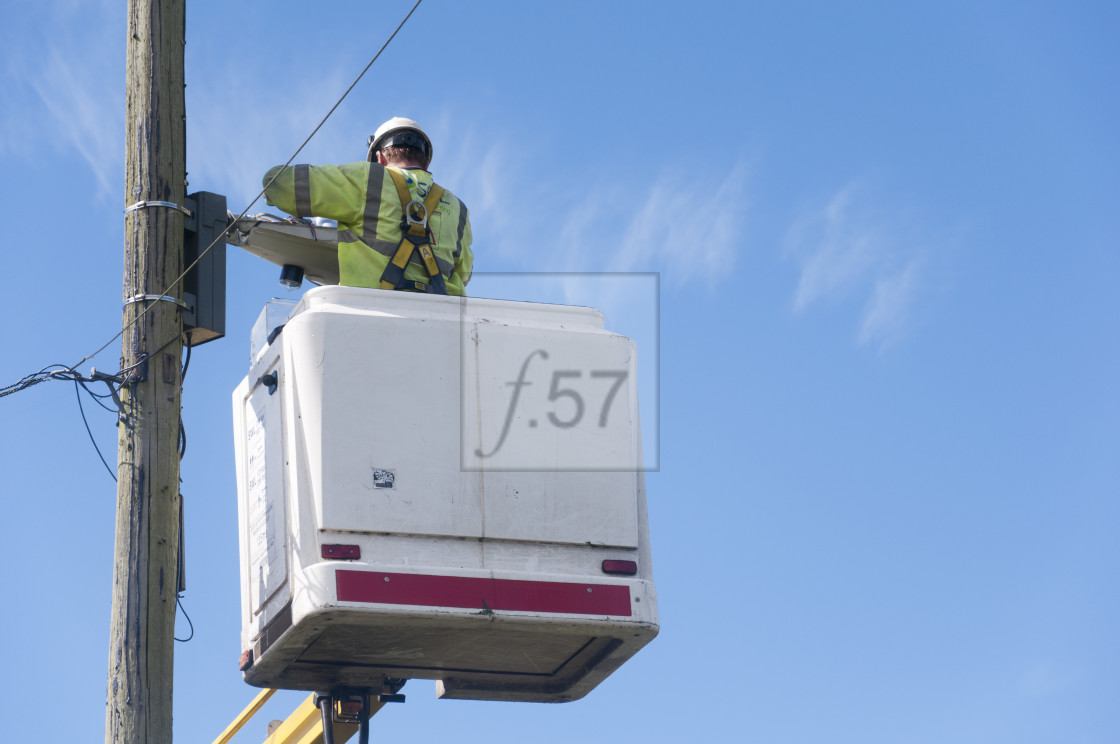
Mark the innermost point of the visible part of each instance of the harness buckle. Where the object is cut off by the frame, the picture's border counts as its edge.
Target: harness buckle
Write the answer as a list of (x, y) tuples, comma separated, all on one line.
[(415, 213)]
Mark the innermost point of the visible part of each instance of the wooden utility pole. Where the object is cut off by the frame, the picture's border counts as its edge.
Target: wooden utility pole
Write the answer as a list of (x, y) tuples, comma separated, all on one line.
[(142, 629)]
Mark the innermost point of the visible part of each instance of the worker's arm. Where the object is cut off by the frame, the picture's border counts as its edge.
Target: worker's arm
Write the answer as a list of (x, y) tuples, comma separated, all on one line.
[(337, 192)]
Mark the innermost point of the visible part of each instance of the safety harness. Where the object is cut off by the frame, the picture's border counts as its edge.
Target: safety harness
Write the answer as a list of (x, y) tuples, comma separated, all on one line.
[(416, 237)]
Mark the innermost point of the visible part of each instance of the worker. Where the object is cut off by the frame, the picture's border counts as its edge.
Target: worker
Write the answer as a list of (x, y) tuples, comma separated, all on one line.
[(397, 229)]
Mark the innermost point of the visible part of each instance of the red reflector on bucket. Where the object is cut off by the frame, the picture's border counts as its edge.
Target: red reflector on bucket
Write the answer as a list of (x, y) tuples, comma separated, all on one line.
[(488, 595), (342, 552), (245, 661), (628, 568)]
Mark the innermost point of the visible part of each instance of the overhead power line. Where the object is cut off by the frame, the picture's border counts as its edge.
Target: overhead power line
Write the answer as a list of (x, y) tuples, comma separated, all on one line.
[(43, 375)]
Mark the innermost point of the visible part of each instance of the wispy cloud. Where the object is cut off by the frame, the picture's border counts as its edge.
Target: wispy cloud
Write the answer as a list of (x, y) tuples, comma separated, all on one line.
[(65, 89), (680, 222), (887, 312), (848, 249), (836, 251), (686, 224), (84, 111)]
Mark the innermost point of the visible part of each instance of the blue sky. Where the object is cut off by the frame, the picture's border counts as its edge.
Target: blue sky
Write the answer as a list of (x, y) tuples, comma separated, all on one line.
[(887, 238)]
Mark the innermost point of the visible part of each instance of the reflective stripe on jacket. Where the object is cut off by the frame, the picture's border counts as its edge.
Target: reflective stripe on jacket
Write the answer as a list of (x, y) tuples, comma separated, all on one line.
[(364, 201)]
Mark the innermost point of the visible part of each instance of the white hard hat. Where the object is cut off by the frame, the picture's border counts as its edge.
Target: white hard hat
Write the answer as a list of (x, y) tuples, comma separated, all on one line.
[(403, 129)]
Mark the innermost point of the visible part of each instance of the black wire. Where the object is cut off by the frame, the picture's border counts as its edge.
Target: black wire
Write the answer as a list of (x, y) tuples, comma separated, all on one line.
[(179, 604), (182, 379), (145, 357), (259, 195), (34, 379), (186, 363), (77, 392), (182, 438), (42, 375), (62, 372), (98, 398), (23, 384)]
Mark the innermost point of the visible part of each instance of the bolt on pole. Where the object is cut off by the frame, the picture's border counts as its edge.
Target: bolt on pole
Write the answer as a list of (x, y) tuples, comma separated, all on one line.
[(145, 559)]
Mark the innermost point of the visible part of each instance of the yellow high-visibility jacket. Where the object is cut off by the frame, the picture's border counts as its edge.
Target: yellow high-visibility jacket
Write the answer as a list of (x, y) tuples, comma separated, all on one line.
[(364, 201)]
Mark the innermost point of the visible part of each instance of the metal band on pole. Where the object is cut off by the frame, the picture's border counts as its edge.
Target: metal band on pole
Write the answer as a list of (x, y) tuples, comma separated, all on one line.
[(146, 204), (155, 298)]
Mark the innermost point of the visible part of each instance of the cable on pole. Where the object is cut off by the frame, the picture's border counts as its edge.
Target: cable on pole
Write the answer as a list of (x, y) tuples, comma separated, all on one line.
[(288, 162)]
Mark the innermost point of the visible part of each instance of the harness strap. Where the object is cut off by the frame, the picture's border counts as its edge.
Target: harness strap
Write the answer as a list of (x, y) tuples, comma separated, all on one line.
[(415, 238)]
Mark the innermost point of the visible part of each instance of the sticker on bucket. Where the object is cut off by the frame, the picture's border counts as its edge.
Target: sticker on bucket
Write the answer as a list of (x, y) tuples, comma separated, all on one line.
[(383, 478)]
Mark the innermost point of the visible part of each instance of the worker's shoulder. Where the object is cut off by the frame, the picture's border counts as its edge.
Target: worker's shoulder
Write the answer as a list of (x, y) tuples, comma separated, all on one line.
[(425, 181), (450, 199)]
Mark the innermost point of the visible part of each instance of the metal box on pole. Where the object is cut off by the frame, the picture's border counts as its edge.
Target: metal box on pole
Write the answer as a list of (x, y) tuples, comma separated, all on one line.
[(204, 251)]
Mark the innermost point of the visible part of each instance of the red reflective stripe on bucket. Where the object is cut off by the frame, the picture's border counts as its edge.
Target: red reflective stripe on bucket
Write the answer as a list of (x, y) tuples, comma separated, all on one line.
[(626, 568), (482, 594), (342, 552)]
